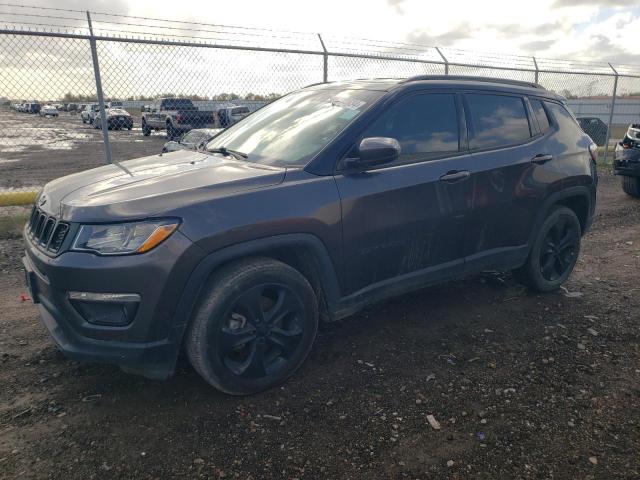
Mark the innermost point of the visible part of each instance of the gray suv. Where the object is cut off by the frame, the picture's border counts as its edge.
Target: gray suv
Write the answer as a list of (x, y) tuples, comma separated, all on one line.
[(326, 200)]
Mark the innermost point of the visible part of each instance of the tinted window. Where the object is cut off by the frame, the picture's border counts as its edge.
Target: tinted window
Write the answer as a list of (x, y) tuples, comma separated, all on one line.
[(497, 120), (562, 116), (541, 115), (425, 125)]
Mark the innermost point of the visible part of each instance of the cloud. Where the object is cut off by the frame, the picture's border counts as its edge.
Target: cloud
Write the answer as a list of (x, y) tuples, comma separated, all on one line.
[(590, 3), (536, 46), (397, 4), (461, 32), (607, 51)]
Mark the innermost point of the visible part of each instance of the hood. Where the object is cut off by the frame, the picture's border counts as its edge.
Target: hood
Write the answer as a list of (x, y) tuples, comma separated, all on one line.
[(152, 186)]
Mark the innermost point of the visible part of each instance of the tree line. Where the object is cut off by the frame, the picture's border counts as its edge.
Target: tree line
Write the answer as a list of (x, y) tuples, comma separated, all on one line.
[(70, 97)]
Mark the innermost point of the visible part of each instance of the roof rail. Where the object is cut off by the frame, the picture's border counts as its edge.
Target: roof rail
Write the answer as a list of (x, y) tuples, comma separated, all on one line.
[(474, 79)]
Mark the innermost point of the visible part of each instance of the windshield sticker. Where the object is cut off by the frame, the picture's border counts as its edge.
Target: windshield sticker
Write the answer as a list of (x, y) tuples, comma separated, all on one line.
[(349, 114), (354, 104)]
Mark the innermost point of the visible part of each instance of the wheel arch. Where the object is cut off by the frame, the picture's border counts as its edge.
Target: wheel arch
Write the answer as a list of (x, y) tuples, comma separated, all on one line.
[(578, 199), (304, 252)]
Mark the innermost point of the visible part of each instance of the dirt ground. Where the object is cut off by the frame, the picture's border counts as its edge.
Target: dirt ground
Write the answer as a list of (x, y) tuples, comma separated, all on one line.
[(34, 150), (522, 385)]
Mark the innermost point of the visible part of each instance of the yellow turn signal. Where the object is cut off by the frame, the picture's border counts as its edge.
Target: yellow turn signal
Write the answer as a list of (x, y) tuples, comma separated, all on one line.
[(157, 237)]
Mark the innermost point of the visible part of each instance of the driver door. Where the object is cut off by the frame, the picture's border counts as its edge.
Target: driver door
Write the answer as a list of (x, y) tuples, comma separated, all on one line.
[(405, 221)]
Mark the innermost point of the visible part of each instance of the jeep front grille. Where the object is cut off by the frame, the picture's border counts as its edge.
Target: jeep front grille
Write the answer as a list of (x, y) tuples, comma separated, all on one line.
[(46, 231)]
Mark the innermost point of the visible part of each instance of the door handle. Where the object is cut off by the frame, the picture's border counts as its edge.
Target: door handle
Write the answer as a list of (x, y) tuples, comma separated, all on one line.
[(455, 176), (541, 158)]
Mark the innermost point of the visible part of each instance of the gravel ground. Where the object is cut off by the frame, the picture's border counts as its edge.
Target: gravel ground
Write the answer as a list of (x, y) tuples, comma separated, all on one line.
[(521, 386)]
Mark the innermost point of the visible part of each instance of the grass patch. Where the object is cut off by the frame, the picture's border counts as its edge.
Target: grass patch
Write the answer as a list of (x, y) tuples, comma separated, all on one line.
[(17, 198), (11, 225)]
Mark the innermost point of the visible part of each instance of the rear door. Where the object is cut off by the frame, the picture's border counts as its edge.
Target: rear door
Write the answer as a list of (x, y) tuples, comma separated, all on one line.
[(509, 177), (406, 219)]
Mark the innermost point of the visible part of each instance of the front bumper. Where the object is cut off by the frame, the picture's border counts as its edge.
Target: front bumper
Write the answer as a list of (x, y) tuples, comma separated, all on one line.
[(627, 162), (150, 343), (116, 123)]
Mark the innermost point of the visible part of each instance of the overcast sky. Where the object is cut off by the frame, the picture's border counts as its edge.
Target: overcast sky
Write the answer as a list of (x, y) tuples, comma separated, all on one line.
[(581, 29), (589, 30)]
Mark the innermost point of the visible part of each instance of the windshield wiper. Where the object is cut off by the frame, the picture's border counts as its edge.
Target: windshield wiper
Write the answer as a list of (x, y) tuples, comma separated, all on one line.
[(227, 152)]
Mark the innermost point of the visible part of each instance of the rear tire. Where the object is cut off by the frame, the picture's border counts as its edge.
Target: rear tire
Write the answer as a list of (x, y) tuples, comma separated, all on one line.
[(554, 252), (631, 186), (253, 327)]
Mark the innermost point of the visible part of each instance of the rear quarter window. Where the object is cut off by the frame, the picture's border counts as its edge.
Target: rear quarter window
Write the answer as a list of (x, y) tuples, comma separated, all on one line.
[(565, 120), (497, 120)]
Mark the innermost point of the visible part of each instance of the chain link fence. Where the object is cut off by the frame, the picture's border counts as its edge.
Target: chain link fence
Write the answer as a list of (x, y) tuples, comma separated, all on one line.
[(62, 80)]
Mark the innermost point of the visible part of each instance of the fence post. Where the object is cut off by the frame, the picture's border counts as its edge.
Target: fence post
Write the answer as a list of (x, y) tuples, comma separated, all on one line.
[(613, 106), (444, 59), (535, 64), (96, 72), (325, 57)]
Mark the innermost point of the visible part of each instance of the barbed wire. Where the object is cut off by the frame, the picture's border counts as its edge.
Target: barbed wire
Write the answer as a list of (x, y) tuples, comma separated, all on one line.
[(295, 39)]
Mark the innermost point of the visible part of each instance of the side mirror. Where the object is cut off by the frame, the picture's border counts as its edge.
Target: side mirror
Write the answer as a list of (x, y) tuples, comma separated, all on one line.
[(374, 151)]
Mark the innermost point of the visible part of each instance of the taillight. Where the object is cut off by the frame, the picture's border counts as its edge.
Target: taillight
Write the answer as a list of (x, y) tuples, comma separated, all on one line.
[(593, 151), (179, 118)]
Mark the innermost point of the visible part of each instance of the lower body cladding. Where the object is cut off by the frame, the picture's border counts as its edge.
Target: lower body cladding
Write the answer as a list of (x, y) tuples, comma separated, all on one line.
[(115, 309)]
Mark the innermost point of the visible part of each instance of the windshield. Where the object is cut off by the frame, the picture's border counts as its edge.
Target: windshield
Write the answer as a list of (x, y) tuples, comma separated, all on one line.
[(293, 129)]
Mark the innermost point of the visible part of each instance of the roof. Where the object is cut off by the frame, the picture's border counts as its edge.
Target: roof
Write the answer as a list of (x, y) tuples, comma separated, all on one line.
[(387, 84)]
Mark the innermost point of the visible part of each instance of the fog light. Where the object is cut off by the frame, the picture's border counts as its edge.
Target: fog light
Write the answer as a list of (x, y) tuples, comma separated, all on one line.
[(112, 309)]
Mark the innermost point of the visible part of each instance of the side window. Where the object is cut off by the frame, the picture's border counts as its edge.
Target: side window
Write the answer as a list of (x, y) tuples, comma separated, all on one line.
[(564, 119), (497, 120), (426, 126), (540, 113)]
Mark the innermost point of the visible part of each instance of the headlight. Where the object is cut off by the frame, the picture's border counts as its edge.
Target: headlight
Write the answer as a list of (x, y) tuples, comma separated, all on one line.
[(124, 238)]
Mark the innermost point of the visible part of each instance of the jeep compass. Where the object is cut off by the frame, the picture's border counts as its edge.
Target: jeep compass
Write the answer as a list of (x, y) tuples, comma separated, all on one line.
[(326, 200)]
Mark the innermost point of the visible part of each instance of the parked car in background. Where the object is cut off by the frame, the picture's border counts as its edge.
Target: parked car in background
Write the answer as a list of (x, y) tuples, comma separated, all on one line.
[(115, 104), (231, 115), (626, 160), (192, 140), (89, 113), (48, 111), (33, 107), (71, 107), (177, 116), (595, 128), (117, 119), (326, 200)]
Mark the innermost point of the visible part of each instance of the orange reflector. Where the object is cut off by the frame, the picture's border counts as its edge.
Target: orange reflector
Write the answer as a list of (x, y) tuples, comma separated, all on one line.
[(157, 237)]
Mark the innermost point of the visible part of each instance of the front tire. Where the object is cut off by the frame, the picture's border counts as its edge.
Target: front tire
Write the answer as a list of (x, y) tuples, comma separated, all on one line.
[(554, 252), (631, 186), (253, 327), (171, 132)]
